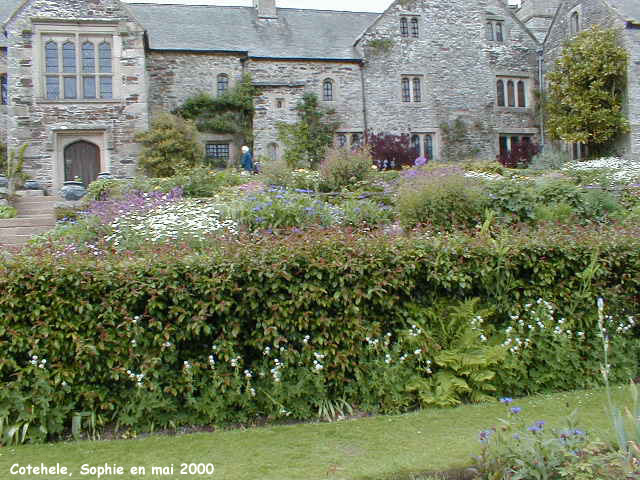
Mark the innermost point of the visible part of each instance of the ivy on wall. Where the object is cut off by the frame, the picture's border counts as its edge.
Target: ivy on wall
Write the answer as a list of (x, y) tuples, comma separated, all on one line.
[(230, 113)]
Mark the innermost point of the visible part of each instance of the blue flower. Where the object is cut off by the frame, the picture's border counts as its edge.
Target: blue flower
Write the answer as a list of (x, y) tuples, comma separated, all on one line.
[(540, 423), (579, 432), (484, 435), (535, 429), (257, 209), (259, 219), (516, 410), (506, 400)]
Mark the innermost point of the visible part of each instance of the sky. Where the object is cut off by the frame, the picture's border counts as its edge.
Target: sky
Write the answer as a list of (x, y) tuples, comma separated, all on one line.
[(351, 5)]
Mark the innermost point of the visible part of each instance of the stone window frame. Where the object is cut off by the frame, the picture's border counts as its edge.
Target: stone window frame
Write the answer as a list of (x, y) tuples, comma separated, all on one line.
[(280, 102), (428, 140), (510, 134), (329, 90), (411, 88), (341, 140), (4, 89), (273, 151), (409, 26), (222, 83), (215, 146), (513, 92), (575, 20), (77, 31), (496, 31)]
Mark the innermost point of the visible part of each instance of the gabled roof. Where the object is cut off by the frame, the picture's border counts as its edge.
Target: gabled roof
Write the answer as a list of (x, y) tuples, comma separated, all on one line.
[(296, 33), (6, 9)]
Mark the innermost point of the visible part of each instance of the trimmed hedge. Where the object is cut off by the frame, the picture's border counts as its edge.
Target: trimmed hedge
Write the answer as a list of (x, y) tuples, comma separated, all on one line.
[(175, 336)]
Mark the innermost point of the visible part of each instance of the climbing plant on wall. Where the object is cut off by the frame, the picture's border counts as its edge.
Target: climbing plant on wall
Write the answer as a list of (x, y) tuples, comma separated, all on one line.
[(306, 141), (230, 113), (586, 89)]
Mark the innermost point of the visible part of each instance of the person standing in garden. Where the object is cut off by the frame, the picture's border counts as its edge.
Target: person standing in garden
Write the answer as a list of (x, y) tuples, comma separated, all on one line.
[(247, 159)]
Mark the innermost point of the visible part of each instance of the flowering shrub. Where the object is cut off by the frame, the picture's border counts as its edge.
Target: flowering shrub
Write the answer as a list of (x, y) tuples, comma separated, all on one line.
[(610, 169), (130, 335), (280, 208)]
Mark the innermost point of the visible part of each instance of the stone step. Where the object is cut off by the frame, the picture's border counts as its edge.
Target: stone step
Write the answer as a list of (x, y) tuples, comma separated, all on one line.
[(28, 230), (13, 240), (40, 220), (35, 210), (37, 201)]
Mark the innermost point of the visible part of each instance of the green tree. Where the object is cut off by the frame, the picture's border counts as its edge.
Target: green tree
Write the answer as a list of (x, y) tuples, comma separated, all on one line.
[(306, 141), (171, 144), (231, 113), (586, 90)]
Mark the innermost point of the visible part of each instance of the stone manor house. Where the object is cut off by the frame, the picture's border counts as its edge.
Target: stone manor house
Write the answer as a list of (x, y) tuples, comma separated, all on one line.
[(78, 78)]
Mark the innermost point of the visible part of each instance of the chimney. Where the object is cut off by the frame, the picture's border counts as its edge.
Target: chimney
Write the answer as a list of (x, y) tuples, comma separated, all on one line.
[(266, 8)]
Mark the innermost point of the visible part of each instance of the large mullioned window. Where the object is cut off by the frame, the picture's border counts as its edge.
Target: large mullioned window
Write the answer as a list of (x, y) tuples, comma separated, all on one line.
[(511, 92), (78, 70)]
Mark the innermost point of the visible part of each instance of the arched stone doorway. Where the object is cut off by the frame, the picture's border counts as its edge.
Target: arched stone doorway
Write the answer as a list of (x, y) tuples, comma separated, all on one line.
[(81, 159)]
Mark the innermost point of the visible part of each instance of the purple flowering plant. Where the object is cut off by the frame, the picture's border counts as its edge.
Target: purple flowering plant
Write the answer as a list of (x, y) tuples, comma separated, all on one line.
[(519, 449)]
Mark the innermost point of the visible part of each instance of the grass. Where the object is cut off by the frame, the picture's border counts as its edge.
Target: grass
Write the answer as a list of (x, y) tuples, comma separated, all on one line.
[(372, 448)]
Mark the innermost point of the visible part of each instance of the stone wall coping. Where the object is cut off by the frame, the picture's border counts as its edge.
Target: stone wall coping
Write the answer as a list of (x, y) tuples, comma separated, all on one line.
[(78, 21), (43, 101)]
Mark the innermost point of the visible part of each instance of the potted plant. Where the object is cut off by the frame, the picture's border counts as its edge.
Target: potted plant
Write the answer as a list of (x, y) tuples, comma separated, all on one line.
[(73, 189)]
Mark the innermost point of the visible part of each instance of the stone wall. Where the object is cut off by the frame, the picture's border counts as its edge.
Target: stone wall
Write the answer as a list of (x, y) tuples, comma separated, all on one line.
[(289, 80), (3, 108), (537, 15), (176, 76), (45, 125), (632, 42), (596, 12), (458, 67)]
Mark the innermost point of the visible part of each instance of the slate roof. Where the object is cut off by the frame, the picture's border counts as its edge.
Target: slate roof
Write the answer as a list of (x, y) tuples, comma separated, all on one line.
[(296, 33), (627, 9)]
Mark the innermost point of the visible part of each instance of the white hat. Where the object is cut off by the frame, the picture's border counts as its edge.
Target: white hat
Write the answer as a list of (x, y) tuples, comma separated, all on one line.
[(245, 148)]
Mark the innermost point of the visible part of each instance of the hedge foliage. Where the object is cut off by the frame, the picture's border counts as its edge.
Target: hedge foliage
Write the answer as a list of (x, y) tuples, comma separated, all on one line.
[(300, 325)]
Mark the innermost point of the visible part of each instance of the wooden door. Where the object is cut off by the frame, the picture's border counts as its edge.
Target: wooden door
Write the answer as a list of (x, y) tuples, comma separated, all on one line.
[(81, 159)]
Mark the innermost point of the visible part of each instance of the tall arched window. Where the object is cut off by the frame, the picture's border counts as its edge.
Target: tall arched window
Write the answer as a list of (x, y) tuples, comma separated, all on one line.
[(511, 94), (88, 57), (414, 28), (223, 83), (428, 146), (490, 31), (104, 55), (500, 91), (406, 90), (69, 57), (272, 151), (327, 90), (51, 57), (342, 140), (575, 23), (417, 90), (415, 144), (404, 27), (499, 36), (4, 91), (522, 99)]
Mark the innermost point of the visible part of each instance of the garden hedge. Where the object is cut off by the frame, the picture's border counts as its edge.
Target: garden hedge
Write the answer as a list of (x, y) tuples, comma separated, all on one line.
[(176, 336)]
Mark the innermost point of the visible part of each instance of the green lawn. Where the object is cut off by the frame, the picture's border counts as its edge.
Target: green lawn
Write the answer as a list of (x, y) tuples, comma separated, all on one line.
[(381, 447)]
